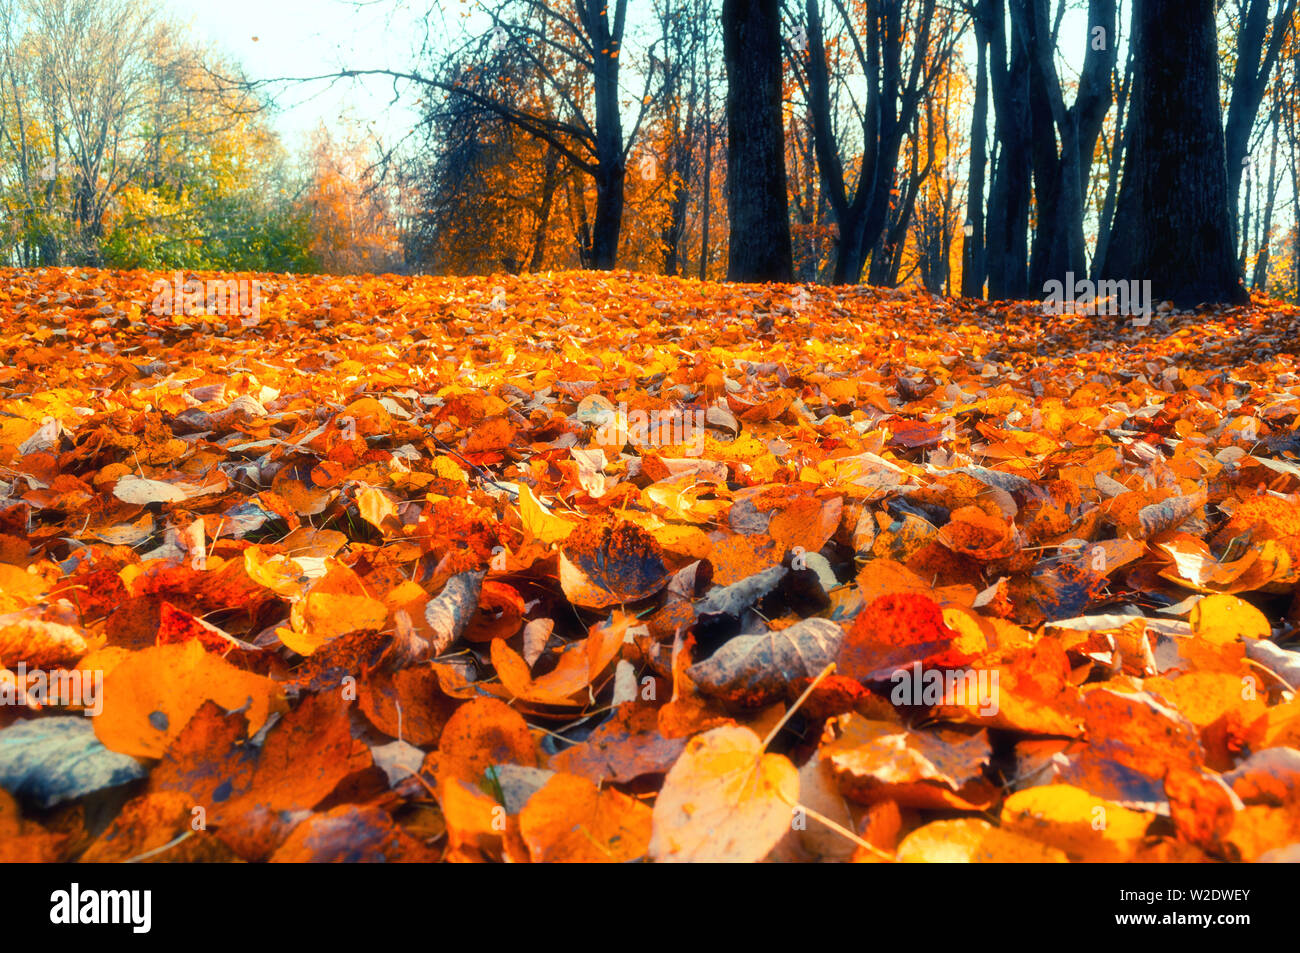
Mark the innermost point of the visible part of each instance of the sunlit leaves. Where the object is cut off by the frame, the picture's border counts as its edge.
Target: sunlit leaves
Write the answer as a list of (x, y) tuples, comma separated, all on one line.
[(381, 575), (725, 800)]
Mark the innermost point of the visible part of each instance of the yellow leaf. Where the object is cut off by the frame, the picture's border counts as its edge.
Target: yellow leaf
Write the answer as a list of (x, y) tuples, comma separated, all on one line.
[(570, 820), (539, 521), (1083, 825), (336, 605), (378, 510), (1222, 619), (973, 841), (724, 800)]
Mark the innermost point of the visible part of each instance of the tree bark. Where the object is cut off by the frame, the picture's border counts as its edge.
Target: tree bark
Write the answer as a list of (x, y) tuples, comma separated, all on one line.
[(973, 261), (757, 207), (1174, 225), (1008, 217), (1249, 83), (611, 170)]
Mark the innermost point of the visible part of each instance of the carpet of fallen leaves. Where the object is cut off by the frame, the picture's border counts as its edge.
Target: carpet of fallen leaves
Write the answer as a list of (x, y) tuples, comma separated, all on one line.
[(610, 567)]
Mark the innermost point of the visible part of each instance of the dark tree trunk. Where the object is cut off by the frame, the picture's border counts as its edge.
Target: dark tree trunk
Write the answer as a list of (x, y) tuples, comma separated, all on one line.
[(611, 164), (1118, 148), (757, 204), (609, 217), (1175, 228), (679, 183), (1259, 280), (538, 256), (1031, 27), (706, 213), (1008, 218), (973, 262), (1061, 180), (1250, 77)]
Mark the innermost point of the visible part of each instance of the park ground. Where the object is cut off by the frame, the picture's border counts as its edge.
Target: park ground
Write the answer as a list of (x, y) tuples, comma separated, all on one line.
[(604, 566)]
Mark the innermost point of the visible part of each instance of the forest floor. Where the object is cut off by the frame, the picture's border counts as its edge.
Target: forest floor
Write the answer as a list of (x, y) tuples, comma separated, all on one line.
[(611, 567)]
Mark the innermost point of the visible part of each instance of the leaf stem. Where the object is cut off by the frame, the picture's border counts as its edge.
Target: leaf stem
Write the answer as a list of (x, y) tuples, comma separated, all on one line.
[(795, 707)]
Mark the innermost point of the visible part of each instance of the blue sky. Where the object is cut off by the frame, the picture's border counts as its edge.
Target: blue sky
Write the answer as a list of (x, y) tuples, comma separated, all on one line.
[(272, 38)]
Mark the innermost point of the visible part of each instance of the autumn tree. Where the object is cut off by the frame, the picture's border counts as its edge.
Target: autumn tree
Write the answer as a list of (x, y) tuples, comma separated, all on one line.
[(489, 195), (686, 30), (352, 230), (75, 88), (897, 49), (117, 146), (585, 123)]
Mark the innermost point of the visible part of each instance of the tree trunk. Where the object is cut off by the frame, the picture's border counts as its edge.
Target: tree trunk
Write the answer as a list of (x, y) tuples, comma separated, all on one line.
[(1249, 83), (1008, 218), (611, 169), (1259, 281), (757, 206), (1031, 27), (973, 262), (1176, 226), (1118, 148), (538, 256), (706, 213), (609, 215), (1061, 180)]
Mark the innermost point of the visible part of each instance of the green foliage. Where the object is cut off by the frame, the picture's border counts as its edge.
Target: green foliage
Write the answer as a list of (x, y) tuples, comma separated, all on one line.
[(244, 230), (185, 173)]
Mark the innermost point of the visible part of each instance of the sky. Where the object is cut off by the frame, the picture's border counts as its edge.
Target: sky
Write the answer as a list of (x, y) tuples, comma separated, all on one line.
[(277, 38)]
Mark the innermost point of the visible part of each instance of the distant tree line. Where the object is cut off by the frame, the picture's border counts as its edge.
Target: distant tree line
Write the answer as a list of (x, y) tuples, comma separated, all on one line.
[(123, 144), (976, 147), (983, 147)]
